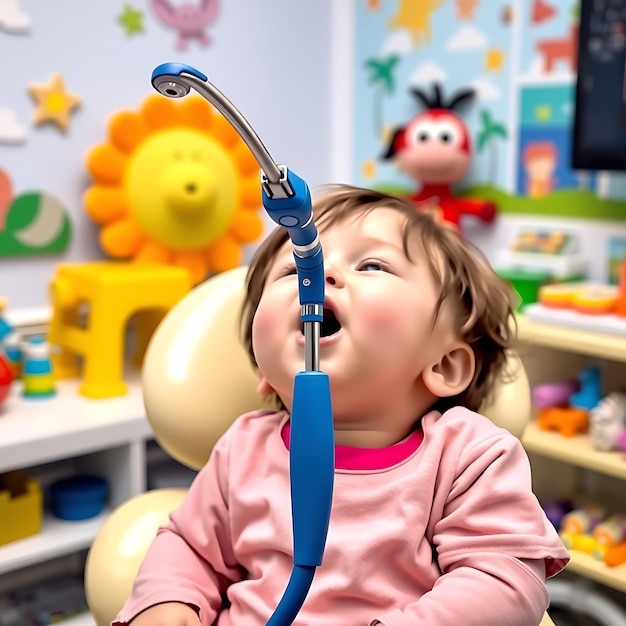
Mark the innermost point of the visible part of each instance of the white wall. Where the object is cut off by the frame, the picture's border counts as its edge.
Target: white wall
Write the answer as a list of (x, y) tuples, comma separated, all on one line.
[(271, 58)]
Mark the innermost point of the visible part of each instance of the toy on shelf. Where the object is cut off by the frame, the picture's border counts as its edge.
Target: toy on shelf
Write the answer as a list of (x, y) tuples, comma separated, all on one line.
[(577, 527), (37, 375), (6, 378), (5, 327), (21, 506), (175, 184), (113, 292), (552, 394), (12, 347), (557, 509), (590, 392), (608, 534), (588, 306), (585, 298), (540, 256), (78, 497), (564, 405), (607, 422), (566, 420), (434, 149), (616, 555)]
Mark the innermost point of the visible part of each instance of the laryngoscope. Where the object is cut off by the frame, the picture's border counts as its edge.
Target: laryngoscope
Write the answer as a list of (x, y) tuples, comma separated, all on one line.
[(287, 200)]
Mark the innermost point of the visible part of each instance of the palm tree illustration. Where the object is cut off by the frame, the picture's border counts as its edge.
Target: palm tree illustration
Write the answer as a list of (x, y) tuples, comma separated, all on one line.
[(381, 74), (489, 131)]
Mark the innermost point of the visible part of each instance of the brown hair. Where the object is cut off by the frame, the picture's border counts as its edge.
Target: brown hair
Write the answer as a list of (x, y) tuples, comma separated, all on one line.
[(480, 302)]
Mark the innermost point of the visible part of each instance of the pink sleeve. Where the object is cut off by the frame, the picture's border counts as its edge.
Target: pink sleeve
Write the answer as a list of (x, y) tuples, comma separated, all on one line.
[(191, 559), (494, 590), (493, 542)]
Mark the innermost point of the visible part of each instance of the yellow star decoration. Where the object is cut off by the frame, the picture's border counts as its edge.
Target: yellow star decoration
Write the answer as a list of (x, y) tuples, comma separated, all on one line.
[(494, 59), (54, 103)]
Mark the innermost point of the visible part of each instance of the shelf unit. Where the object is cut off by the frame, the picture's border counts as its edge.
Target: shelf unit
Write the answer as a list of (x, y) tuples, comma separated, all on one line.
[(577, 451), (107, 437)]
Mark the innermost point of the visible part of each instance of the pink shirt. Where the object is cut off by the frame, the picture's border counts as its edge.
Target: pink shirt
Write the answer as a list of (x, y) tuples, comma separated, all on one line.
[(449, 533)]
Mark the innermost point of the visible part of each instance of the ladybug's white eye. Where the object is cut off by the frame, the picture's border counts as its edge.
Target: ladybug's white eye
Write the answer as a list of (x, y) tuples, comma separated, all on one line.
[(447, 133), (422, 132)]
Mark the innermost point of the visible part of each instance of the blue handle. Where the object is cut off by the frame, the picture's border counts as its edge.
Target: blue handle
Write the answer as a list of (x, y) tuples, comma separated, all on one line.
[(176, 69), (295, 215), (312, 465)]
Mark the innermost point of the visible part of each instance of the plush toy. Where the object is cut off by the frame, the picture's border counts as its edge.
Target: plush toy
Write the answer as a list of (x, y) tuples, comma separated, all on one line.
[(434, 148)]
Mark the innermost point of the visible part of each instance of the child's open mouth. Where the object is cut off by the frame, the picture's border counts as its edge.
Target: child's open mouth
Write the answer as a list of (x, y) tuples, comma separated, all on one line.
[(330, 324)]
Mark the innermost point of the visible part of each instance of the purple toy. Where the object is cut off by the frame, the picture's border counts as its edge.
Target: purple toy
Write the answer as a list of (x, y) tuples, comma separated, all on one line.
[(548, 395)]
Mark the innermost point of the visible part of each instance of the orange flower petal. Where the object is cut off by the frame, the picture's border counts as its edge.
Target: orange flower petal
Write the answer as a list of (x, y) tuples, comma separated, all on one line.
[(250, 193), (159, 112), (197, 113), (105, 204), (223, 132), (224, 254), (246, 163), (127, 131), (154, 252), (194, 262), (246, 226), (122, 239), (107, 164)]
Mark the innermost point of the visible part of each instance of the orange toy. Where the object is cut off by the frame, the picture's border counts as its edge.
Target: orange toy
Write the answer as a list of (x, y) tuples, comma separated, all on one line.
[(616, 555), (585, 298), (113, 293), (568, 421)]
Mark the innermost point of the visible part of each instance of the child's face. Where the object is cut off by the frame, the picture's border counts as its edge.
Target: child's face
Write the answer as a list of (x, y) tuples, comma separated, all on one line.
[(386, 336)]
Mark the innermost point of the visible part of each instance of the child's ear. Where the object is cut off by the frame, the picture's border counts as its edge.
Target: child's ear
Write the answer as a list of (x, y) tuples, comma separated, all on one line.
[(453, 373), (264, 389)]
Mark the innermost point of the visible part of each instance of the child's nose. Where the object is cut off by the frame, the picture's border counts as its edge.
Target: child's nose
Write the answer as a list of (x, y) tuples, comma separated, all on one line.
[(333, 277)]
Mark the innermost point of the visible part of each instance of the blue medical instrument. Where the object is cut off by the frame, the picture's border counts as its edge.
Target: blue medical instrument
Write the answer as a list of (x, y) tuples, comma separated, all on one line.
[(287, 200)]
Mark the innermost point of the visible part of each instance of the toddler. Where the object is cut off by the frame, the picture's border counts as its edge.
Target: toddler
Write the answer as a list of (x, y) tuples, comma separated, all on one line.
[(433, 520)]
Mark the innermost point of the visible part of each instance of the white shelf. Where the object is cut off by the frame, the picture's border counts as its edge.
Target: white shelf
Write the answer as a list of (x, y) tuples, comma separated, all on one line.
[(575, 450), (585, 565), (33, 432), (587, 342), (57, 538)]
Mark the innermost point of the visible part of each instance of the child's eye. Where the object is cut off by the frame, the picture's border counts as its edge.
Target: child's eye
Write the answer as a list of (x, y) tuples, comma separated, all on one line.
[(288, 270), (371, 266)]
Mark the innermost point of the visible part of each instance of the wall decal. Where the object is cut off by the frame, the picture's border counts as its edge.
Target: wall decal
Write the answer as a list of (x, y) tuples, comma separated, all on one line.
[(12, 18), (31, 223), (542, 11), (465, 9), (189, 20), (11, 131), (6, 195), (54, 103), (415, 16), (131, 20), (524, 88)]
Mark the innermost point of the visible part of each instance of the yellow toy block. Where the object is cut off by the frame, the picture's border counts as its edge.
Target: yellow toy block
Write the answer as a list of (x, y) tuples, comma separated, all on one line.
[(109, 293), (21, 506)]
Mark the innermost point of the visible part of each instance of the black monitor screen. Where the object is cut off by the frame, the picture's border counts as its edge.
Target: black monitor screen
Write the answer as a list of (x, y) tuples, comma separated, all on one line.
[(600, 114)]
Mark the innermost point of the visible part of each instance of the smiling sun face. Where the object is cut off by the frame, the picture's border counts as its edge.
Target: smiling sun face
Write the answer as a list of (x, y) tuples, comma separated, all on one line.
[(175, 184)]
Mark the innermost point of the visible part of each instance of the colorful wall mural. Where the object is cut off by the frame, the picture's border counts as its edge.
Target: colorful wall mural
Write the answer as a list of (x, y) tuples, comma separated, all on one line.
[(520, 59)]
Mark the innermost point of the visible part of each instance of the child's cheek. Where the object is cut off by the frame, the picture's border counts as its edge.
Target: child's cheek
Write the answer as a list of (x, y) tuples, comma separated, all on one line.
[(385, 319)]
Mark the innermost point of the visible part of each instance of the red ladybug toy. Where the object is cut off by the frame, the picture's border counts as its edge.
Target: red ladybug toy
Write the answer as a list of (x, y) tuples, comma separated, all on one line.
[(434, 148)]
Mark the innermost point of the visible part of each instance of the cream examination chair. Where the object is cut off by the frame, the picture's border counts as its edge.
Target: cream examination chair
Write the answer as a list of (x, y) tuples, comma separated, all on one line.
[(197, 379)]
